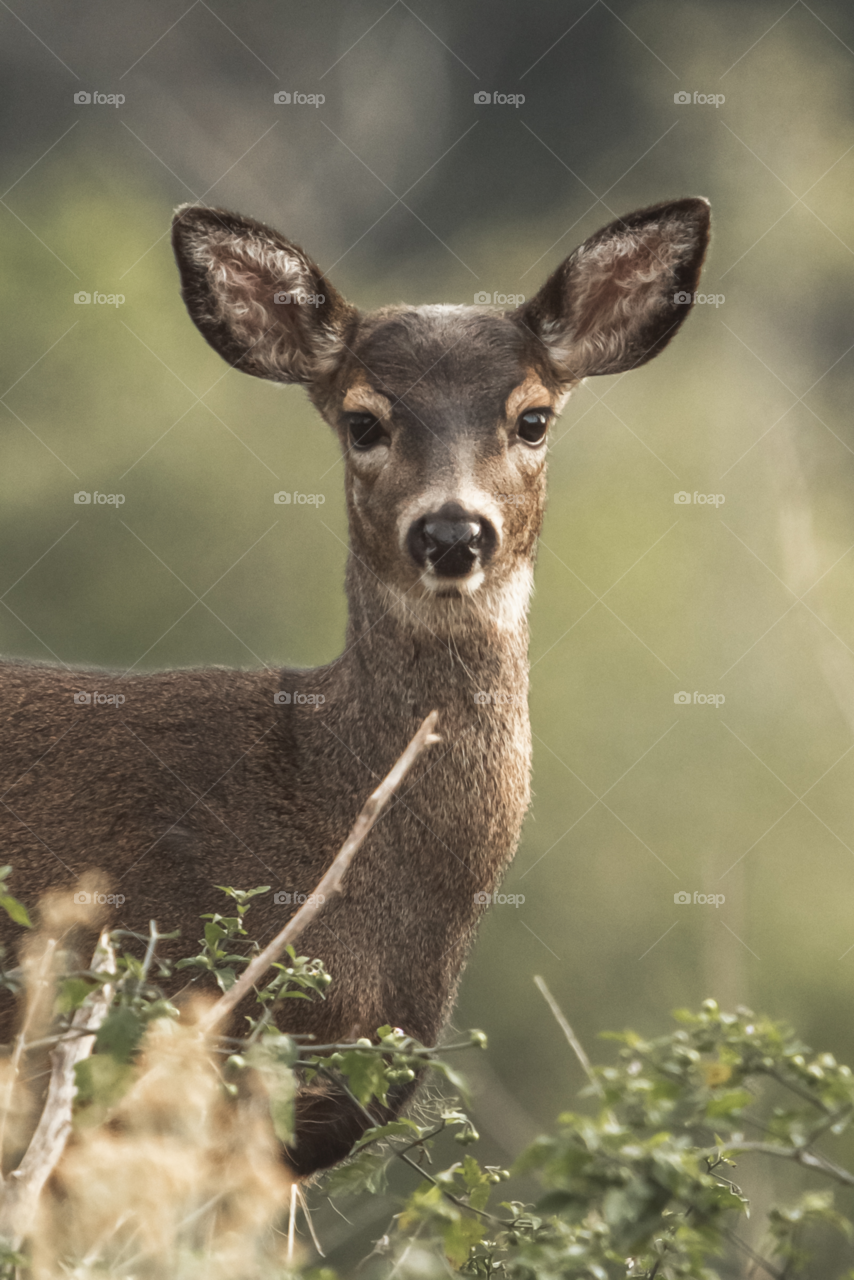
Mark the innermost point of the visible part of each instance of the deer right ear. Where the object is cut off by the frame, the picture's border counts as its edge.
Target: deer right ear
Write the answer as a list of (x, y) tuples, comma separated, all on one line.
[(620, 297), (258, 299)]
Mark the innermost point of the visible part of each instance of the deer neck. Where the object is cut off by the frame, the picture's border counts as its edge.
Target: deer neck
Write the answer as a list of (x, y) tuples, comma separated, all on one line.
[(465, 656), (440, 849)]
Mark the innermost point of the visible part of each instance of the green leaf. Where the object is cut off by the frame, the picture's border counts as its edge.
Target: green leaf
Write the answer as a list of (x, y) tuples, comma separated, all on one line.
[(459, 1237), (72, 992), (453, 1077), (101, 1081), (270, 1058), (365, 1172), (282, 1090), (15, 910), (213, 934), (728, 1104), (365, 1074), (394, 1129), (477, 1183), (119, 1034), (225, 979)]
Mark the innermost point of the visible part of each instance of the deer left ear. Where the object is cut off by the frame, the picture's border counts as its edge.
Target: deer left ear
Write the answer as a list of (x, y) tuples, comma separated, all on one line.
[(258, 298), (620, 297)]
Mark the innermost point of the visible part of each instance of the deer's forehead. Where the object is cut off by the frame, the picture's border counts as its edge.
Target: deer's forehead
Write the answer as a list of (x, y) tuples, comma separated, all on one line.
[(428, 355)]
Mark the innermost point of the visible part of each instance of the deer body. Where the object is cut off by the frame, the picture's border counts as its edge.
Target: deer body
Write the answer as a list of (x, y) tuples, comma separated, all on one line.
[(205, 777)]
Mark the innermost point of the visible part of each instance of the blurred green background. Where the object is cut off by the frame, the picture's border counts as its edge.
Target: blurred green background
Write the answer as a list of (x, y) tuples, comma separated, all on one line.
[(405, 189)]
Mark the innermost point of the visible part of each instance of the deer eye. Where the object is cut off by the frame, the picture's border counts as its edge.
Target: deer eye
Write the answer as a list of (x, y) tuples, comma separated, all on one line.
[(533, 425), (365, 430)]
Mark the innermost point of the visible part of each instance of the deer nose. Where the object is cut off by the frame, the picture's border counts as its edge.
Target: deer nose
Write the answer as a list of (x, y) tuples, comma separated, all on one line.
[(450, 541)]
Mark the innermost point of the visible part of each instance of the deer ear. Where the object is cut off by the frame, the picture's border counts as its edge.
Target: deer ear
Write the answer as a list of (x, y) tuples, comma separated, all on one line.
[(620, 297), (258, 299)]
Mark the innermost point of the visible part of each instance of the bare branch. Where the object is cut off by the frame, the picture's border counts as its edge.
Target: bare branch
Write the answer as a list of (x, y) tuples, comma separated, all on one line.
[(24, 1186), (800, 1155), (35, 996), (330, 884), (575, 1043)]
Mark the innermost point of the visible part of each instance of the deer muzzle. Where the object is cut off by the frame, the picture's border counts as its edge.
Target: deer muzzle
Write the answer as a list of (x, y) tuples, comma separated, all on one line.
[(452, 542)]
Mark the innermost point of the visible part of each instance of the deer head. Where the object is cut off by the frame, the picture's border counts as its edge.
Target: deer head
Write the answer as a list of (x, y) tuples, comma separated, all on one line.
[(442, 412)]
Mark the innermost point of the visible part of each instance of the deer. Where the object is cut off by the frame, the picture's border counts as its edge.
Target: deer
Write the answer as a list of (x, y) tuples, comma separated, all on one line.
[(201, 777)]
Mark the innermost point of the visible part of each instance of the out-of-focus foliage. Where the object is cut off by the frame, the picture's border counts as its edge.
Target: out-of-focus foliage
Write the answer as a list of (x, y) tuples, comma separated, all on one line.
[(173, 1168)]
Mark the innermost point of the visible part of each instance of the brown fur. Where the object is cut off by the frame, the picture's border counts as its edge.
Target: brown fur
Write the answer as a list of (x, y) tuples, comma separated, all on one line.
[(203, 777)]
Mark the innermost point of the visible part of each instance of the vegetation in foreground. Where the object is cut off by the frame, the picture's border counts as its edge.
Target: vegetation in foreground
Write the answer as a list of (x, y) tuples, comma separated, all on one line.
[(173, 1168)]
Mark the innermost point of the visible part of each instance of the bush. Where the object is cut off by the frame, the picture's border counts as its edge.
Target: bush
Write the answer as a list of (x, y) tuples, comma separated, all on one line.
[(174, 1168)]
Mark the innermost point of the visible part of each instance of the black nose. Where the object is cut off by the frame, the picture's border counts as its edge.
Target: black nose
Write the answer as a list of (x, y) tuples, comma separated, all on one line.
[(450, 541)]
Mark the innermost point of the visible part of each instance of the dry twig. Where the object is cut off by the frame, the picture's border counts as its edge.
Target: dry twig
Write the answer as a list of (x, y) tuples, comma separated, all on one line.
[(331, 882), (24, 1185)]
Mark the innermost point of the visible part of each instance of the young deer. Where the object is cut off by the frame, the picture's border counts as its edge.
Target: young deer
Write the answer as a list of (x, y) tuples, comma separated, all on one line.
[(206, 777)]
